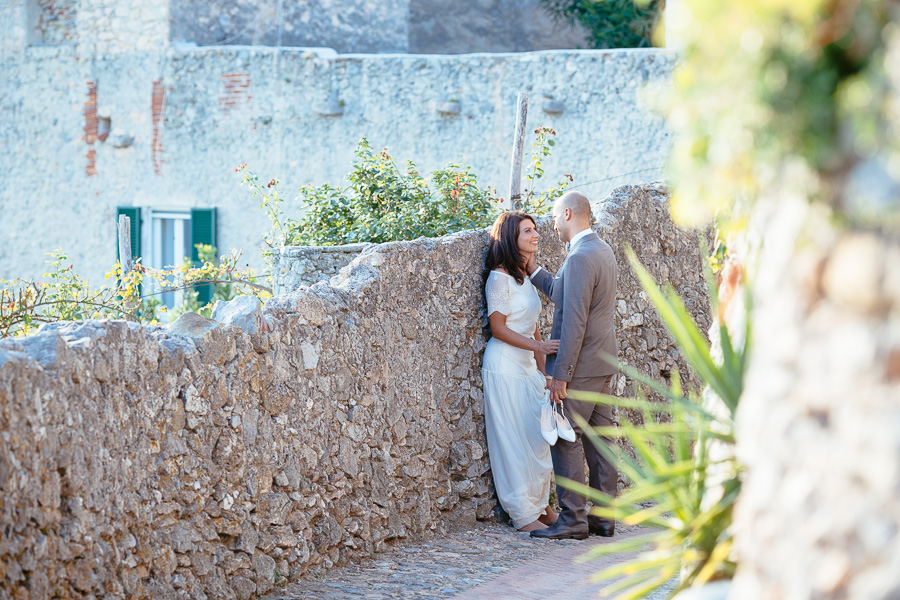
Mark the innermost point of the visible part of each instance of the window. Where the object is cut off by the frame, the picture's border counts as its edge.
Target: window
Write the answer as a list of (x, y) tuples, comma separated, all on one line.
[(170, 246), (172, 235)]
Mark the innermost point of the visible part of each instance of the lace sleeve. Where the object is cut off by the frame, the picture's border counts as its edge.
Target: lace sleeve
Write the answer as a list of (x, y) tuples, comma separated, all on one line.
[(497, 292)]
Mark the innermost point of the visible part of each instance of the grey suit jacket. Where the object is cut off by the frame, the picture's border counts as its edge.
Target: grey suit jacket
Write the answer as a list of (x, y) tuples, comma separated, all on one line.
[(584, 294)]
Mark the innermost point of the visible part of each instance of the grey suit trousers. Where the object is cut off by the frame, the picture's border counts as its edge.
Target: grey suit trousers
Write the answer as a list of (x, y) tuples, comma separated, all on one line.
[(569, 457)]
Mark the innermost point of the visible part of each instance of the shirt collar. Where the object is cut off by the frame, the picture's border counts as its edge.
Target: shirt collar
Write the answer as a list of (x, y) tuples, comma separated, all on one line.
[(579, 236)]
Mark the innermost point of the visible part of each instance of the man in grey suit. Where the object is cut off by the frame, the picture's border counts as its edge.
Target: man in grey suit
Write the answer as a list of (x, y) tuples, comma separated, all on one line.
[(584, 294)]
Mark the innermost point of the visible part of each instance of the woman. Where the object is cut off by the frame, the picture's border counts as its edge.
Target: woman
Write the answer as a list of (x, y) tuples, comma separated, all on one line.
[(514, 377)]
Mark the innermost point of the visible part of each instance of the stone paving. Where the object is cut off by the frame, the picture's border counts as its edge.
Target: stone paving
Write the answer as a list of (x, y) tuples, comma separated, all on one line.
[(490, 561)]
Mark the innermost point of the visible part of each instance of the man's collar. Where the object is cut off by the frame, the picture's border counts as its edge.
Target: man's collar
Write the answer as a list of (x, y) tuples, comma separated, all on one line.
[(578, 236)]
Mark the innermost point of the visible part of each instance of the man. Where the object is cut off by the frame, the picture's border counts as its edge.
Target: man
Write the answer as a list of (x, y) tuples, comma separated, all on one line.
[(584, 292)]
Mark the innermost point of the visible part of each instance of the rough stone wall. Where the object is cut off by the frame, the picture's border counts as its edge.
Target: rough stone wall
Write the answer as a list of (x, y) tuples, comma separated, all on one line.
[(345, 25), (110, 27), (50, 28), (194, 115), (413, 26), (147, 463), (305, 265), (16, 20), (631, 215), (819, 423), (440, 27)]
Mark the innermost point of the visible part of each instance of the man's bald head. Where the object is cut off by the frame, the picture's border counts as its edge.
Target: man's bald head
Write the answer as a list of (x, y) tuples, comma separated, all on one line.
[(571, 215), (578, 204)]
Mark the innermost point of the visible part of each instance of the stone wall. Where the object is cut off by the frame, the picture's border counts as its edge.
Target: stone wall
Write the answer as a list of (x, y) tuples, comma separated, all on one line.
[(305, 265), (819, 423), (181, 119), (83, 27), (214, 457), (402, 26), (344, 25)]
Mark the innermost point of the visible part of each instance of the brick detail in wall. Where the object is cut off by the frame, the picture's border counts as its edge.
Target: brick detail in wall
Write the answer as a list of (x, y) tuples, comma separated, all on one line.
[(237, 92), (90, 127), (157, 106)]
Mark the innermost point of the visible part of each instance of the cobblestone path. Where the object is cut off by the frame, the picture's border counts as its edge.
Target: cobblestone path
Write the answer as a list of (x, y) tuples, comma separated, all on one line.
[(489, 562)]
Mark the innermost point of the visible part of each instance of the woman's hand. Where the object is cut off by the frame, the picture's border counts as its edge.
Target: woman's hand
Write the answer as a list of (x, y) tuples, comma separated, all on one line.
[(548, 346)]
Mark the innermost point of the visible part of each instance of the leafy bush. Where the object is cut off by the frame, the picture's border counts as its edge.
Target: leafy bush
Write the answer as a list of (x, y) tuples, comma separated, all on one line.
[(611, 23), (684, 474), (384, 202)]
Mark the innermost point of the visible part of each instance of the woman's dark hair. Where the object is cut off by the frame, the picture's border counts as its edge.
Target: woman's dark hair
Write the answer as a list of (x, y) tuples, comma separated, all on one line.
[(503, 250)]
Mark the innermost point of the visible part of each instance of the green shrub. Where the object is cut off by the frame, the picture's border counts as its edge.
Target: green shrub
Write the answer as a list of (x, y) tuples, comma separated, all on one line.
[(384, 203), (611, 23)]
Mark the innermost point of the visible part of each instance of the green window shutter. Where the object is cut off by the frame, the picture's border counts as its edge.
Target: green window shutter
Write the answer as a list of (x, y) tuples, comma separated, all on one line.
[(203, 231), (133, 213)]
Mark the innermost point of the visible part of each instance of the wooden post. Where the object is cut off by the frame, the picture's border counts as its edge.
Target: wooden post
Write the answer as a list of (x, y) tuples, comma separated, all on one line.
[(515, 175), (126, 260), (125, 245)]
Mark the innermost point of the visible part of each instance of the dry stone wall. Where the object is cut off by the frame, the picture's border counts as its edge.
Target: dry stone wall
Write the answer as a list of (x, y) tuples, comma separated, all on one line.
[(305, 265), (212, 458)]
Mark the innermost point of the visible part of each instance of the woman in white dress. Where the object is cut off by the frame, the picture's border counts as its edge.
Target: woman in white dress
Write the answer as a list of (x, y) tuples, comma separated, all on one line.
[(514, 377)]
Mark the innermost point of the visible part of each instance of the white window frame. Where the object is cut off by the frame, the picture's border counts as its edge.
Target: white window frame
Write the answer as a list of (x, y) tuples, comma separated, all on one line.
[(156, 250)]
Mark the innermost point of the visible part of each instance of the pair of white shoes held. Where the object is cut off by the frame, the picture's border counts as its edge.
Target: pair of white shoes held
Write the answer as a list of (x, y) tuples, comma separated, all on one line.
[(554, 424)]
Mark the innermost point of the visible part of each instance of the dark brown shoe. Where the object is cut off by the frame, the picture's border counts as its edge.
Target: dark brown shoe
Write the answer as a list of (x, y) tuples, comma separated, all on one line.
[(556, 532)]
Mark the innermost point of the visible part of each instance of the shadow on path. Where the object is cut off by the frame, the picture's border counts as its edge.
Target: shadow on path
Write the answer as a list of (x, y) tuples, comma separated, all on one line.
[(490, 561)]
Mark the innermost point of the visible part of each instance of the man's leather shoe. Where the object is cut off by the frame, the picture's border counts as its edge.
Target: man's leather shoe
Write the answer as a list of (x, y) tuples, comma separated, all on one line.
[(555, 532), (603, 529)]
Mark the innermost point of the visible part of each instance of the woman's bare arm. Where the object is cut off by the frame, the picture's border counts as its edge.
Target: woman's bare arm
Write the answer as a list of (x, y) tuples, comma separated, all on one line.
[(539, 358), (503, 333)]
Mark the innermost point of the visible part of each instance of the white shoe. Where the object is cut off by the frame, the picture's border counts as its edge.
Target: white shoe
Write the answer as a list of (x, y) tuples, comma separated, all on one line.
[(548, 423), (563, 427)]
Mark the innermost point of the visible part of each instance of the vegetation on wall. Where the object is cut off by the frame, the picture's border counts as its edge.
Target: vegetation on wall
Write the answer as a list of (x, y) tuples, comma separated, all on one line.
[(385, 202), (66, 296), (611, 23)]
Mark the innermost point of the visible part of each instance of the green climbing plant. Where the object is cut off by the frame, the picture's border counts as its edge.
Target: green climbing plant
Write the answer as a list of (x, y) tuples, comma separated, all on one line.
[(611, 23)]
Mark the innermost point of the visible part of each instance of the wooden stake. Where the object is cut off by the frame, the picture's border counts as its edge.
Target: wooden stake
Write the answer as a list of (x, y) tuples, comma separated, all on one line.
[(125, 245), (515, 175)]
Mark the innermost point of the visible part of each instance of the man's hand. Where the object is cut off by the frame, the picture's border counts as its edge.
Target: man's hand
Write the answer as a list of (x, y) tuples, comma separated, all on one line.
[(557, 390), (530, 265)]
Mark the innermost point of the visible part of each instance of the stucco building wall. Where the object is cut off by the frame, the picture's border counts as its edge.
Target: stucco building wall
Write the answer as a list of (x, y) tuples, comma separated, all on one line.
[(182, 118)]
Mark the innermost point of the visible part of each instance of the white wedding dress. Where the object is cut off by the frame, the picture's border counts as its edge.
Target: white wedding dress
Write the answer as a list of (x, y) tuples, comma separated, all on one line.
[(513, 396)]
